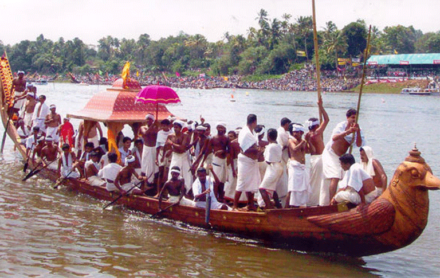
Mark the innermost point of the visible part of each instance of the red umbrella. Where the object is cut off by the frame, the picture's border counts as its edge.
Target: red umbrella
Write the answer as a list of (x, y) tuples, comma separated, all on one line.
[(157, 94)]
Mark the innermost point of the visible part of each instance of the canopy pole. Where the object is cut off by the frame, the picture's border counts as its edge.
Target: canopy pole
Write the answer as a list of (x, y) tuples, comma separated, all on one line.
[(364, 68), (318, 69)]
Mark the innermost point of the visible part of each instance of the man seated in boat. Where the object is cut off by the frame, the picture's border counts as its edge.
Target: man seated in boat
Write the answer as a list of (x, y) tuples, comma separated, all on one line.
[(66, 163), (357, 187), (85, 156), (36, 153), (40, 112), (343, 136), (374, 168), (204, 185), (176, 189), (272, 155), (137, 153), (49, 153), (149, 136), (299, 183), (31, 140), (123, 181), (52, 122), (125, 150), (92, 169)]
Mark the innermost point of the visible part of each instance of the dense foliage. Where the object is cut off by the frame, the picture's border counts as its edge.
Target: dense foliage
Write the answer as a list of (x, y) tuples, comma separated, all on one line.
[(275, 47)]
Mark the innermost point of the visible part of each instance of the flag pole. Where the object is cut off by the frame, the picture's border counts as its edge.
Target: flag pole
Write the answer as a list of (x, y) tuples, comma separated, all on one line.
[(318, 68), (364, 69)]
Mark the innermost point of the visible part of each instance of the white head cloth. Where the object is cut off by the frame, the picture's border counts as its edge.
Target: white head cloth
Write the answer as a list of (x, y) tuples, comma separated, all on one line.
[(149, 116), (221, 124), (261, 131), (368, 166), (297, 127), (175, 171), (52, 106), (179, 122), (312, 123), (49, 139), (200, 128), (130, 159)]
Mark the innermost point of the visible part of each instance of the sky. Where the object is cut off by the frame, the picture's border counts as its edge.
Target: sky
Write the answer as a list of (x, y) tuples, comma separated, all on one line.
[(91, 20)]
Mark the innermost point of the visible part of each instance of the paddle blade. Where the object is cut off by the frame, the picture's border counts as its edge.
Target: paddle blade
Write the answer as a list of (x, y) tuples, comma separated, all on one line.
[(30, 175), (25, 167)]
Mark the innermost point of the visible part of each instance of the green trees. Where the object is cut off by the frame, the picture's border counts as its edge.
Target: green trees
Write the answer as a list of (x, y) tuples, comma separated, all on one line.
[(271, 46)]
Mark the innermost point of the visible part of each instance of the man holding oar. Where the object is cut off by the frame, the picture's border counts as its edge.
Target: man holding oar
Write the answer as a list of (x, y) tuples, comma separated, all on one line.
[(343, 136), (122, 181), (176, 189)]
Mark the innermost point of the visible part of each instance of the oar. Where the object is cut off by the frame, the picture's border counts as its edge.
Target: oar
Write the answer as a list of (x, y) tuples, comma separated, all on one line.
[(34, 171), (61, 181), (364, 69), (120, 196), (6, 131), (318, 69), (162, 210), (208, 208), (26, 165)]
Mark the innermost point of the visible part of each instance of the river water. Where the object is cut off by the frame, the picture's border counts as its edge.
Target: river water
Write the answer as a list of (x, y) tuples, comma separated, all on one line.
[(46, 232)]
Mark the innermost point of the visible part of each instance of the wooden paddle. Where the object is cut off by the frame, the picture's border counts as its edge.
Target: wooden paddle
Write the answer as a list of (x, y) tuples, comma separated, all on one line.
[(120, 196), (34, 171), (318, 68), (58, 183), (6, 131), (208, 209), (162, 210)]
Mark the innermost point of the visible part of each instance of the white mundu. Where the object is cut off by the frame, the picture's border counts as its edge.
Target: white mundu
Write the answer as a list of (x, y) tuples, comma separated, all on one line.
[(353, 179), (248, 176), (298, 185)]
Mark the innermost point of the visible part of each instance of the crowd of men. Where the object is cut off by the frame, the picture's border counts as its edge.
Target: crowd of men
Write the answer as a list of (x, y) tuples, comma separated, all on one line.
[(185, 161)]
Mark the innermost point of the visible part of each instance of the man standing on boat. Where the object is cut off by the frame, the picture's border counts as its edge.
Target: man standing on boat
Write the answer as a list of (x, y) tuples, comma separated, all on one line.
[(179, 142), (40, 112), (343, 136), (248, 178), (220, 145), (283, 141), (52, 122), (316, 131), (29, 108), (19, 86), (149, 135)]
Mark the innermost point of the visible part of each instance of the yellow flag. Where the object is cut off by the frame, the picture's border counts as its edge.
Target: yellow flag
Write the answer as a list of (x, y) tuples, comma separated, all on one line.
[(300, 53), (125, 74), (395, 52), (225, 78), (137, 73)]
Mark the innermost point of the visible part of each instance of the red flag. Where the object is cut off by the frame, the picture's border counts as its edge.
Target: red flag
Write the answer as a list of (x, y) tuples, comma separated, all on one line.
[(177, 74)]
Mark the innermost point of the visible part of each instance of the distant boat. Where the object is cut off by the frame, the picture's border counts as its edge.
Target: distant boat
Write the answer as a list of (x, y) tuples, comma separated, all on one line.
[(416, 91), (84, 84), (41, 82), (232, 98)]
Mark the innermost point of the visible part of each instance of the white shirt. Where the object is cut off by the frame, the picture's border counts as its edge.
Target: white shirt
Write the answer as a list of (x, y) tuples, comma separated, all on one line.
[(354, 177), (43, 113), (273, 153), (110, 171)]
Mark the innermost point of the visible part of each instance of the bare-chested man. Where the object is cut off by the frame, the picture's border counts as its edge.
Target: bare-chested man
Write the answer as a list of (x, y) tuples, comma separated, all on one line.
[(90, 135), (231, 161), (29, 108), (163, 153), (298, 184), (316, 131), (179, 144), (49, 153), (220, 147), (343, 136), (176, 189), (19, 86), (52, 122), (149, 135), (374, 168), (38, 148), (123, 179), (248, 177)]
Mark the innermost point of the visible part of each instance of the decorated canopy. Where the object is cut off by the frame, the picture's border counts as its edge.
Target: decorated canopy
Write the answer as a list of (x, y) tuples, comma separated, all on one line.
[(118, 105), (405, 59)]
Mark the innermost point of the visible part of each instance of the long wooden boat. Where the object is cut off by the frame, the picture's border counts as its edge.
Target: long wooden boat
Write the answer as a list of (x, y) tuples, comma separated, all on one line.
[(392, 221)]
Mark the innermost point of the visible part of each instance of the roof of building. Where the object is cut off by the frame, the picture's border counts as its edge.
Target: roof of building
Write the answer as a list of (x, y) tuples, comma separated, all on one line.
[(405, 59)]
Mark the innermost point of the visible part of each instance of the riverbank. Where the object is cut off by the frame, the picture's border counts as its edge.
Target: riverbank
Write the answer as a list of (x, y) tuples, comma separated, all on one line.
[(391, 88)]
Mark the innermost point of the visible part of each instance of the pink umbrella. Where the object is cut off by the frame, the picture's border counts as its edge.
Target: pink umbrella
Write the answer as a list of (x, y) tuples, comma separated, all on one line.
[(157, 94)]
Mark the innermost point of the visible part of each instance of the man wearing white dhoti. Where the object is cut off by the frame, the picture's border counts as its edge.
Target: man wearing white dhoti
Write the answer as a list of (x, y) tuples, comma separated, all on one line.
[(179, 144), (316, 131), (231, 179), (374, 168), (123, 180), (40, 112), (66, 166), (283, 141), (344, 135), (274, 171), (149, 135), (91, 169), (248, 178), (298, 184), (357, 186), (176, 189), (204, 186), (52, 122)]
